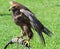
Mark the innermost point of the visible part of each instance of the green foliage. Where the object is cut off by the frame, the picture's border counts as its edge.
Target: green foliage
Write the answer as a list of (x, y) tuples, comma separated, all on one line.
[(47, 11)]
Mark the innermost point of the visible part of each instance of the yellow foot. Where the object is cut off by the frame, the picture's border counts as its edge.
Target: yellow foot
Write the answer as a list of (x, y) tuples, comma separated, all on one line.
[(26, 43)]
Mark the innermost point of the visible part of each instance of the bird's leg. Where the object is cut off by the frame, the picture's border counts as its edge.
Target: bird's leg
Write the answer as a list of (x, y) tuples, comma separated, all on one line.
[(29, 36), (22, 34), (25, 28), (26, 32), (26, 43), (27, 40)]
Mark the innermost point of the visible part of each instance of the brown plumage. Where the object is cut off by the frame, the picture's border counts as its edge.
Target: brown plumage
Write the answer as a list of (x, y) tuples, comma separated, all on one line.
[(24, 18), (21, 20)]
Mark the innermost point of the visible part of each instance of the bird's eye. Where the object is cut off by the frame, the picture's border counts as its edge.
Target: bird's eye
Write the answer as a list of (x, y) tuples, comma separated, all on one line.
[(13, 7)]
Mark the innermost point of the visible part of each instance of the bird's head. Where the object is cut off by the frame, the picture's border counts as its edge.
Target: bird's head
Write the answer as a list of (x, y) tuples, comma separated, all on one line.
[(14, 6)]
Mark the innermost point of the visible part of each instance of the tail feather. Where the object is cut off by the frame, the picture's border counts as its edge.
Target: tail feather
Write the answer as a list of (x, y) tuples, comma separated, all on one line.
[(46, 31), (41, 35)]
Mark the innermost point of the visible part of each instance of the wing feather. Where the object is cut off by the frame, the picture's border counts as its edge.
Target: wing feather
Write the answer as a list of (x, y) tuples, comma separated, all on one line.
[(35, 23)]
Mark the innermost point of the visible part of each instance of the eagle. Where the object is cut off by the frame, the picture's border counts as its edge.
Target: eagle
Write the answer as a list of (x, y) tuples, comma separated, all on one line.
[(26, 19)]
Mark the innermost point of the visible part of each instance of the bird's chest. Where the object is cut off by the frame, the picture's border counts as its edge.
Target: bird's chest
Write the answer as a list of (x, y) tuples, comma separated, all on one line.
[(22, 20)]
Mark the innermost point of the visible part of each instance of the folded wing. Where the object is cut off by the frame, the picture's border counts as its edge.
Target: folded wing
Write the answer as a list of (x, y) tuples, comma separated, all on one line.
[(35, 23)]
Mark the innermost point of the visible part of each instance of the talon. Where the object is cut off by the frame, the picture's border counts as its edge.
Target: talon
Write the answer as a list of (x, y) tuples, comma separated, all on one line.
[(26, 42)]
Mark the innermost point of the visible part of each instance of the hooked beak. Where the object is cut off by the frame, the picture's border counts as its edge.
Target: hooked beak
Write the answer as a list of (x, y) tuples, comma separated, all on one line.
[(11, 3), (10, 8)]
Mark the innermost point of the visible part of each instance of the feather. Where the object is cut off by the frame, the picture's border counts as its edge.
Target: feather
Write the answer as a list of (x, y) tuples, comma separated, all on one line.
[(35, 23)]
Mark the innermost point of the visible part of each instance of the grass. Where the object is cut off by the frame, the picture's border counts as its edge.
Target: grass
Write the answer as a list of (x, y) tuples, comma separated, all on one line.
[(47, 11)]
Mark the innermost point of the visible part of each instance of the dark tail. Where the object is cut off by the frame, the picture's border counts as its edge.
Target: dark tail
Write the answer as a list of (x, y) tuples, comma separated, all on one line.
[(41, 35), (48, 32)]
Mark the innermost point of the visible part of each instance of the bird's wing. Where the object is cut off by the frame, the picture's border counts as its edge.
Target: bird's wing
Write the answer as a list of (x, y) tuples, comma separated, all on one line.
[(34, 23)]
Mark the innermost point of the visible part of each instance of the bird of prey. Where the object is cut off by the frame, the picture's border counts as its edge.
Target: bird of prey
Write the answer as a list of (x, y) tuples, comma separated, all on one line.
[(25, 18)]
